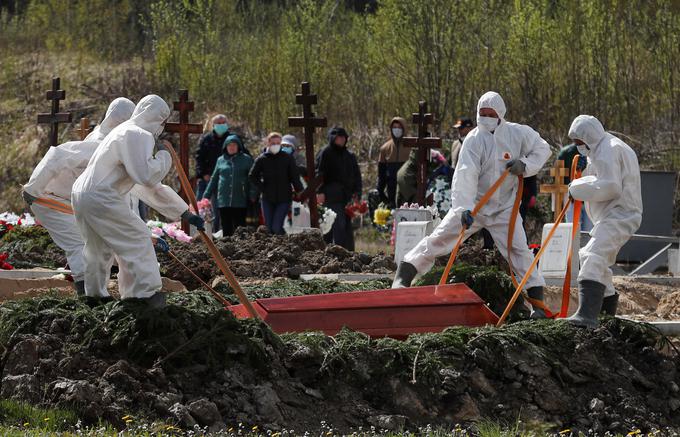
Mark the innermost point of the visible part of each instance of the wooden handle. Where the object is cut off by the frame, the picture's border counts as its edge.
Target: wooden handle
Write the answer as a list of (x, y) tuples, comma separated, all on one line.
[(214, 251)]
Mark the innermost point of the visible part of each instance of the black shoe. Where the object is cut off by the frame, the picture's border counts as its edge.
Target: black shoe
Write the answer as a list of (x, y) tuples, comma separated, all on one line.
[(610, 304), (536, 293), (80, 288), (590, 297), (404, 275)]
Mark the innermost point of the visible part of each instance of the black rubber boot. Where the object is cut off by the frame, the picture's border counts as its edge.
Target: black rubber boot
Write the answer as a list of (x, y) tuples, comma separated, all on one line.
[(404, 275), (80, 288), (590, 297), (609, 305), (536, 293)]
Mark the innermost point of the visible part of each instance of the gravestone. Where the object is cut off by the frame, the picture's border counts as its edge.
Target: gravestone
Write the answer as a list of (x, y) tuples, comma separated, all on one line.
[(553, 264), (409, 235)]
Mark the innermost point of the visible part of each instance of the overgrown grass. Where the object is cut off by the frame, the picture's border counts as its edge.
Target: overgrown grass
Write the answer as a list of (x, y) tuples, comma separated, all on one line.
[(24, 416)]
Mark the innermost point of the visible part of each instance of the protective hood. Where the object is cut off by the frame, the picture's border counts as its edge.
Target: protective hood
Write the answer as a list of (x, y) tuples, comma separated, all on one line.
[(587, 129), (402, 122), (336, 132), (150, 113), (119, 111), (493, 100)]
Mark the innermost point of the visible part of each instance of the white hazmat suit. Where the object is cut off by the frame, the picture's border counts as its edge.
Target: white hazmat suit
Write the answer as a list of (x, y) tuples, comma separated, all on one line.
[(481, 162), (54, 176), (124, 163), (610, 188)]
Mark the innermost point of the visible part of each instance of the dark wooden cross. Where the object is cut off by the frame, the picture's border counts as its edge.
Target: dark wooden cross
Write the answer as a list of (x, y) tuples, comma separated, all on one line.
[(184, 128), (309, 122), (424, 142), (54, 117), (85, 128)]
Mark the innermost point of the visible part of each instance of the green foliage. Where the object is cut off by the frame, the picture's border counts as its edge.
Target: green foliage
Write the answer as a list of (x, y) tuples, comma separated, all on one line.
[(25, 416)]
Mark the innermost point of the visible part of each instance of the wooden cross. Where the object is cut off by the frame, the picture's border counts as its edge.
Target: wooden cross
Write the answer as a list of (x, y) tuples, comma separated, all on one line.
[(309, 122), (54, 117), (424, 142), (558, 189), (84, 129), (184, 128)]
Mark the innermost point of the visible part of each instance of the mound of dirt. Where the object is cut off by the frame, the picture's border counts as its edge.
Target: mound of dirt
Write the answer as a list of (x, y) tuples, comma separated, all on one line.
[(192, 362), (258, 254)]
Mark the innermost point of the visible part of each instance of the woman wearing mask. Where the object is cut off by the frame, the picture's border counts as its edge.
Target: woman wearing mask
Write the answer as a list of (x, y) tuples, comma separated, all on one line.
[(390, 159), (274, 173), (230, 181)]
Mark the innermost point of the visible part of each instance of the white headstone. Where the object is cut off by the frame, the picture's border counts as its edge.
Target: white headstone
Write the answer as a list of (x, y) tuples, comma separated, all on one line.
[(408, 236), (553, 264), (674, 262)]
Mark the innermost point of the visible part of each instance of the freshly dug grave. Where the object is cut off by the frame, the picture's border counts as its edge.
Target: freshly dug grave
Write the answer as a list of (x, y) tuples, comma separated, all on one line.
[(258, 254), (31, 246), (192, 362)]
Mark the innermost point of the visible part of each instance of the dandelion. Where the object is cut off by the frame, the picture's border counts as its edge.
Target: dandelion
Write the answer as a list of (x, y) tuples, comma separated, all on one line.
[(126, 417), (565, 431), (276, 434), (26, 424), (254, 428), (634, 432), (46, 419)]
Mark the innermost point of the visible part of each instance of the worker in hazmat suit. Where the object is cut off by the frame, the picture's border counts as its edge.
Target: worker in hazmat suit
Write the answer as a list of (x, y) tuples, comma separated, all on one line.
[(124, 163), (610, 188), (488, 150), (53, 178)]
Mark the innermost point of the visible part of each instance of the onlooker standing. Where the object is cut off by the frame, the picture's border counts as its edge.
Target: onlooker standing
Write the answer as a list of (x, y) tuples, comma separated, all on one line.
[(391, 157), (341, 184), (464, 126), (230, 182), (209, 150), (274, 173)]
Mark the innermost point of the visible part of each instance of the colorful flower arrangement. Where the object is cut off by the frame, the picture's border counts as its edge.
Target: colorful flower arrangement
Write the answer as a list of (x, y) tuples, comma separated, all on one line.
[(380, 215), (356, 209), (172, 230), (5, 227), (4, 265), (205, 209)]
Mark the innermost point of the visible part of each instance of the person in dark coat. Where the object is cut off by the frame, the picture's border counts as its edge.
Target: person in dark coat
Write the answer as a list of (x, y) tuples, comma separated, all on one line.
[(209, 151), (341, 184), (274, 172)]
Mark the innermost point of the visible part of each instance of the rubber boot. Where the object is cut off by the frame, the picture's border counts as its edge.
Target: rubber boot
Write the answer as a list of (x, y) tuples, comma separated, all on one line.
[(156, 301), (590, 297), (609, 305), (536, 293), (80, 288), (404, 275)]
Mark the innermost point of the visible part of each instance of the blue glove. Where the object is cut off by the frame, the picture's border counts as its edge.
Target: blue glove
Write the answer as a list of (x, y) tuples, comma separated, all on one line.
[(28, 197), (516, 167), (582, 163), (194, 219), (467, 219), (162, 245)]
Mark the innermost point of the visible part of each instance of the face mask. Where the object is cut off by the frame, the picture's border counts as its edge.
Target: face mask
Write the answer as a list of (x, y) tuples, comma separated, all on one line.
[(287, 149), (488, 123), (221, 129), (274, 149), (397, 132), (583, 149), (159, 131)]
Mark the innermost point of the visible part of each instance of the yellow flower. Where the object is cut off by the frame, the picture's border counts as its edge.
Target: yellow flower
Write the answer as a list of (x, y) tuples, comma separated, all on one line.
[(231, 429), (276, 434), (126, 417), (565, 431), (128, 421), (26, 424), (46, 419), (634, 432), (255, 428), (329, 433)]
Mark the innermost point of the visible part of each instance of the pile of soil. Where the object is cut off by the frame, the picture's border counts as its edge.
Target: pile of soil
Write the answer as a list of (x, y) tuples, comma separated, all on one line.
[(192, 362), (669, 307), (31, 246), (258, 254)]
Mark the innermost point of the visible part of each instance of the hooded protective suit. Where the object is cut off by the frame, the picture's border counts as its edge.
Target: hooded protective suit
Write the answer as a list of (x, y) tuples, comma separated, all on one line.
[(610, 188), (54, 176), (124, 163), (481, 162)]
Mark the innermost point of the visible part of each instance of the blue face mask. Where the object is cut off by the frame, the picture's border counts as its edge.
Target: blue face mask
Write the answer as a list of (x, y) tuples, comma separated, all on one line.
[(287, 149), (221, 129)]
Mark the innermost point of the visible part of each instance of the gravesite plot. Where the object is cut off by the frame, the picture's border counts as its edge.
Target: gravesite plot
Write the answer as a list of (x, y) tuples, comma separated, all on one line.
[(259, 332)]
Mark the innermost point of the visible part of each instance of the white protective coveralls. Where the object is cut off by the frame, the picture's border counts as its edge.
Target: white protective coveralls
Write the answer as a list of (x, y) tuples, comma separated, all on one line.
[(124, 163), (610, 188), (481, 162), (54, 176)]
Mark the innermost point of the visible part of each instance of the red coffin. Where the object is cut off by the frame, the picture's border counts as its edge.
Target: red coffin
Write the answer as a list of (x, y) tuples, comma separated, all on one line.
[(380, 313)]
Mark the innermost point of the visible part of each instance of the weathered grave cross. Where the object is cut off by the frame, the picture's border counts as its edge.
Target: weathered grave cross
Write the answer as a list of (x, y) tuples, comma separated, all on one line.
[(184, 128), (309, 122), (558, 189), (424, 142), (85, 128), (54, 117)]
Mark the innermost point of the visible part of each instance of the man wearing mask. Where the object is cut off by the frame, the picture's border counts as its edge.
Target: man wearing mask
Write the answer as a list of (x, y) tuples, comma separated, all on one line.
[(488, 150), (124, 163), (339, 170), (464, 125), (53, 178), (610, 188), (209, 151), (391, 157)]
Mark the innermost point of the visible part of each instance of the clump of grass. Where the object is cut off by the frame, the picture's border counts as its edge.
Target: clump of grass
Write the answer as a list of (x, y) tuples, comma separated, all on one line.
[(25, 416)]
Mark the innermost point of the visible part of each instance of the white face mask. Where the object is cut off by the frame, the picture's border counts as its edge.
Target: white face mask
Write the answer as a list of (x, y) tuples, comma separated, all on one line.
[(583, 149), (397, 132), (159, 131), (274, 149), (488, 123)]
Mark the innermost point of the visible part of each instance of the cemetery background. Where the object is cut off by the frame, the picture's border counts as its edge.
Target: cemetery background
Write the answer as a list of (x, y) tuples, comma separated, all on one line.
[(352, 59)]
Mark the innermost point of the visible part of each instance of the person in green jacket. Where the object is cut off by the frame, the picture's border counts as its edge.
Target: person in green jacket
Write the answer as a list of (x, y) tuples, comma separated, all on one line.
[(230, 179)]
